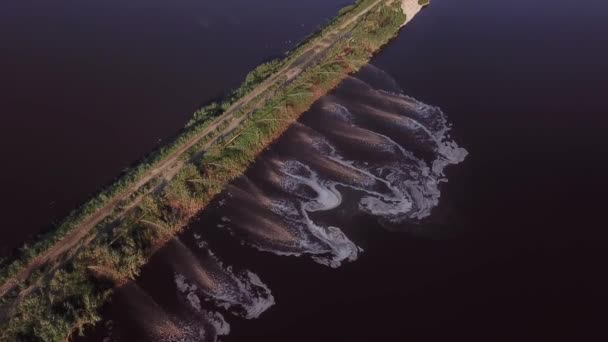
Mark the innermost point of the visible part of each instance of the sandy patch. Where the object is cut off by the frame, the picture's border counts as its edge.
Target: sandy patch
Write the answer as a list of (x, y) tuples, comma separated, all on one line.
[(410, 8)]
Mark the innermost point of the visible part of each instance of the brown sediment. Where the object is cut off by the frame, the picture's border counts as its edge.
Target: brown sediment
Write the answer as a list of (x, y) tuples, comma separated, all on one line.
[(303, 134), (352, 134), (273, 174), (252, 195), (186, 263), (265, 227), (391, 117), (308, 137), (398, 101), (258, 223), (146, 313), (335, 169)]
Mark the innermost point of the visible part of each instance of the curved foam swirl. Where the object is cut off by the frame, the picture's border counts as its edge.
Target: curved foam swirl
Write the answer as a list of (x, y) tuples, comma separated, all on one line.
[(326, 197), (366, 142)]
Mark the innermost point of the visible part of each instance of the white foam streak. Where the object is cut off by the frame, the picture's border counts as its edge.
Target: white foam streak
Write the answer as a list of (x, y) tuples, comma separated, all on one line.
[(327, 196), (336, 244), (241, 292)]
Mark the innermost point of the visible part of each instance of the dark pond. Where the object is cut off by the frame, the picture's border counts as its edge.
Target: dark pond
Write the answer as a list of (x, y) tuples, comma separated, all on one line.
[(89, 87)]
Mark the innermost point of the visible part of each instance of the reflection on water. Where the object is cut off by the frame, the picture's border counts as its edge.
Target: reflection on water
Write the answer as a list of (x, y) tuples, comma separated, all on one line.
[(366, 149)]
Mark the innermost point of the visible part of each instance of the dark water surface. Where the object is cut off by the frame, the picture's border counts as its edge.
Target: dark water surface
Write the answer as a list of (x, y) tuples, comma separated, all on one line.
[(514, 251), (89, 87)]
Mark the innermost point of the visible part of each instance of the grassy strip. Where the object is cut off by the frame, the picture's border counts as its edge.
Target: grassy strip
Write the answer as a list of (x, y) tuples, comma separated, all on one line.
[(68, 299)]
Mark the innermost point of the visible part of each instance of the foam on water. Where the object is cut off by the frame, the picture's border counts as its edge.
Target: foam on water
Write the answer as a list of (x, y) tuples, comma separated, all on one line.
[(242, 293), (387, 149)]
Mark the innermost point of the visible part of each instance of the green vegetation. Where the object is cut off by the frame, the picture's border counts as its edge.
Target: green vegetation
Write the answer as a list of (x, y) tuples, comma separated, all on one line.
[(61, 298), (424, 2)]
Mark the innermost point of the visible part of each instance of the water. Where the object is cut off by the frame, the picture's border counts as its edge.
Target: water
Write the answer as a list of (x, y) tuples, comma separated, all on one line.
[(90, 87), (514, 247)]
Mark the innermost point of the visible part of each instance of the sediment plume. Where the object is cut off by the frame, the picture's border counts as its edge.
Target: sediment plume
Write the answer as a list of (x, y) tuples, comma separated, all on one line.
[(367, 141), (149, 321), (200, 274)]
